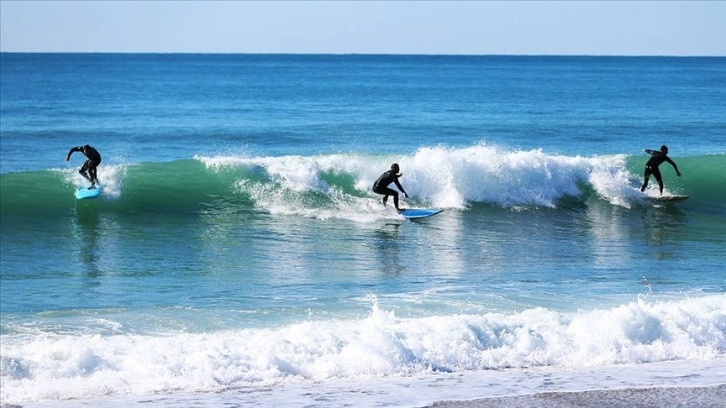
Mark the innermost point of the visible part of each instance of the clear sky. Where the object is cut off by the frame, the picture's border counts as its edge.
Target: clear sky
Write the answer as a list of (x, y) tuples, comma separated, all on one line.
[(376, 27)]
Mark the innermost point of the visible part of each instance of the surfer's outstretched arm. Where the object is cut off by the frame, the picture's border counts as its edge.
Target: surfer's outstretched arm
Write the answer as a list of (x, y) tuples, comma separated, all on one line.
[(73, 150), (672, 163)]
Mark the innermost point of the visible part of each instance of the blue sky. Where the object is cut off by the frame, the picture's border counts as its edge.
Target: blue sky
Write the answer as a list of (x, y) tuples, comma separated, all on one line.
[(342, 27)]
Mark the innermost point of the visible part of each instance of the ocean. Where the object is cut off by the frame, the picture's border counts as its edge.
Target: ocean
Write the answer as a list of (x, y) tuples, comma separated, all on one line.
[(238, 257)]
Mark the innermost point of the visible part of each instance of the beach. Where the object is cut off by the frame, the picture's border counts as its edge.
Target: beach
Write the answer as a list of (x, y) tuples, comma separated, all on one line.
[(698, 397)]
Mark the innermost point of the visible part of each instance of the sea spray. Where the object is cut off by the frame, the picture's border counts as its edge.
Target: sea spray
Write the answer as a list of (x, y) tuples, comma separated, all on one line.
[(379, 345)]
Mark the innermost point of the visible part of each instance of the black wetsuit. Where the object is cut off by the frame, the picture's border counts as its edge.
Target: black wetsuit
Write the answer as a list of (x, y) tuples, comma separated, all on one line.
[(651, 168), (381, 186), (93, 160)]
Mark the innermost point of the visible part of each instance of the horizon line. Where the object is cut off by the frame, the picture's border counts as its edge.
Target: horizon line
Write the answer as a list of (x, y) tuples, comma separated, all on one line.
[(367, 54)]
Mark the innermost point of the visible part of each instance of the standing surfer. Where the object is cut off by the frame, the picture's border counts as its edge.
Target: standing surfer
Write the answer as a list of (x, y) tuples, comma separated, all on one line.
[(651, 167), (388, 177), (93, 160)]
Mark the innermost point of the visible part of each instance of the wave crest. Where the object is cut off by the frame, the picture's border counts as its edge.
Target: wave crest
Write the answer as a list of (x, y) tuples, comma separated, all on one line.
[(329, 185)]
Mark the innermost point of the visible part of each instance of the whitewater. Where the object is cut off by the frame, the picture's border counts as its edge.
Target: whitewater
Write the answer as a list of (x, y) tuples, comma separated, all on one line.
[(338, 185), (380, 345)]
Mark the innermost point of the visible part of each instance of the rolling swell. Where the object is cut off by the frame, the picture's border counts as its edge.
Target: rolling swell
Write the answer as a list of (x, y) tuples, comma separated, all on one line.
[(323, 186), (703, 178), (179, 187)]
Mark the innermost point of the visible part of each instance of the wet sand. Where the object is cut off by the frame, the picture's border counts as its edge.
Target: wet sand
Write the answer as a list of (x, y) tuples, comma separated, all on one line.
[(697, 397)]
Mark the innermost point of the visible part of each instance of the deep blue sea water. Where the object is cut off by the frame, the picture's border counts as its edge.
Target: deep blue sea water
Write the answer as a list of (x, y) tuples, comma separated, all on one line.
[(238, 256)]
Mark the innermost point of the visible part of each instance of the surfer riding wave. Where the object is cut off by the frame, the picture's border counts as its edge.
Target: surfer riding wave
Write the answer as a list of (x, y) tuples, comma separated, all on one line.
[(381, 185), (88, 170), (651, 167)]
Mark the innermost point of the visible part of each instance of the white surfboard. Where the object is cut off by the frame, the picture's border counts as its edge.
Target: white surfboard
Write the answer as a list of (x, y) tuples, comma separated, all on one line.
[(669, 198)]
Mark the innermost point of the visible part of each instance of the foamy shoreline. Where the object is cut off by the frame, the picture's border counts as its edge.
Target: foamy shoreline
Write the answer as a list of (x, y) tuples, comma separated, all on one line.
[(701, 397), (692, 384)]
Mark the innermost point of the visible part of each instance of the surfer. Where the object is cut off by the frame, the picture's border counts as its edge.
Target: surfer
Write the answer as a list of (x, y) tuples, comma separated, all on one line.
[(381, 185), (93, 160), (651, 167)]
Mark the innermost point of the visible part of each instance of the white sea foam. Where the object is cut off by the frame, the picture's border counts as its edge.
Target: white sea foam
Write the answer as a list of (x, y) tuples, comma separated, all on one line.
[(111, 177), (381, 345), (452, 178), (425, 389)]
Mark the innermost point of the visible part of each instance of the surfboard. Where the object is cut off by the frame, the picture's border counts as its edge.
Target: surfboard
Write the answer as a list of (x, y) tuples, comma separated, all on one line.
[(83, 193), (670, 198), (413, 213)]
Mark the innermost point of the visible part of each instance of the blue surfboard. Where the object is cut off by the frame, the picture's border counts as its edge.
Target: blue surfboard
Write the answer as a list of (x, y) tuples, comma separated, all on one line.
[(83, 193), (413, 213)]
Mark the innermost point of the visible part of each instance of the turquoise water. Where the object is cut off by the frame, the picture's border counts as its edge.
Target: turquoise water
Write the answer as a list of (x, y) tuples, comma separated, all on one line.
[(238, 253)]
